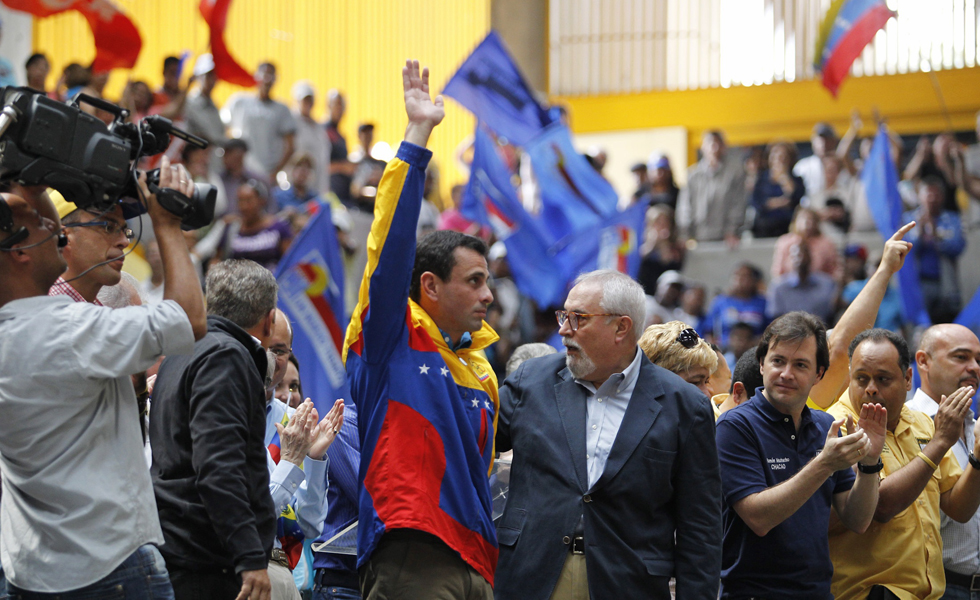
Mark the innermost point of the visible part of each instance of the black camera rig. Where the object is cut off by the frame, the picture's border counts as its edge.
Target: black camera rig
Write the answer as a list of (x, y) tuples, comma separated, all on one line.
[(56, 144)]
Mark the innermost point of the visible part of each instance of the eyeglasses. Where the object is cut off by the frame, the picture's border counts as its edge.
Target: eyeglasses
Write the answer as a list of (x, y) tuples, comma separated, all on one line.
[(108, 227), (281, 352), (688, 338), (573, 318)]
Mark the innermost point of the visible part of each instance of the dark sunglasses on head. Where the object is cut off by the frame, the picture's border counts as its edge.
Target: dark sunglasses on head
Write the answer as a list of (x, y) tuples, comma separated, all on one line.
[(688, 338)]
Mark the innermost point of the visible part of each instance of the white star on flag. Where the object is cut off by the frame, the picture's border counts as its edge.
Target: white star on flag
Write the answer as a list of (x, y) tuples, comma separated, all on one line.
[(487, 404), (444, 371), (476, 403), (424, 370)]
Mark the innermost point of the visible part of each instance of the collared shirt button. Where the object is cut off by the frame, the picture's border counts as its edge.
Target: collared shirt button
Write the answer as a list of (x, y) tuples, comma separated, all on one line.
[(594, 426), (600, 399)]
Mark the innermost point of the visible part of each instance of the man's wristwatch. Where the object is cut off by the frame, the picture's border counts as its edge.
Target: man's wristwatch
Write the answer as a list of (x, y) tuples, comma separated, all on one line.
[(974, 462), (875, 468)]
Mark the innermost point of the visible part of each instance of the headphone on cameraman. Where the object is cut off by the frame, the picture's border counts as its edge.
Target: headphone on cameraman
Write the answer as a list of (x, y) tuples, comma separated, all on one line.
[(7, 226)]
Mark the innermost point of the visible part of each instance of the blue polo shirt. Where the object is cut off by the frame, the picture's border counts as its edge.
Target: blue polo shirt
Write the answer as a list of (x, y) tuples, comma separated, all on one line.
[(758, 448)]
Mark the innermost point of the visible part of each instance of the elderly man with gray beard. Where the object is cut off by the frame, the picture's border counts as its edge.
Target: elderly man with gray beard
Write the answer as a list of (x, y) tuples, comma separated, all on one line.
[(615, 486)]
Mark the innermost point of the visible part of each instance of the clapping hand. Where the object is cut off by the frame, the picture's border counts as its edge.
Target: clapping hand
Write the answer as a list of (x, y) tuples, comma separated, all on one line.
[(873, 421), (327, 430)]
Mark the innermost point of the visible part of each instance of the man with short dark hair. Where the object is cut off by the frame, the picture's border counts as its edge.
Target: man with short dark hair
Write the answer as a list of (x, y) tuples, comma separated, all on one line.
[(901, 555), (783, 466), (77, 506), (266, 124), (207, 432), (712, 205), (614, 486), (424, 391), (746, 378), (97, 241)]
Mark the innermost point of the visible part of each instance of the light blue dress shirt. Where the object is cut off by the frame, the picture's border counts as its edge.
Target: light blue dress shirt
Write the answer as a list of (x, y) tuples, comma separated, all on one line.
[(605, 408)]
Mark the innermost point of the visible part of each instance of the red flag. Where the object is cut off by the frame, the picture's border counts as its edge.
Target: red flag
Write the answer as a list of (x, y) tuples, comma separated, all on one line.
[(117, 41), (215, 13)]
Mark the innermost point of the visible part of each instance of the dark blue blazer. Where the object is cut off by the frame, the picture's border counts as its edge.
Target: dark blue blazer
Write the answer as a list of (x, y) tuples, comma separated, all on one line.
[(654, 513)]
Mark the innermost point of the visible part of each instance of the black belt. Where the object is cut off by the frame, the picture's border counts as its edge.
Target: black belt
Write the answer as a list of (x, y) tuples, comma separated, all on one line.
[(336, 578), (577, 546), (970, 582)]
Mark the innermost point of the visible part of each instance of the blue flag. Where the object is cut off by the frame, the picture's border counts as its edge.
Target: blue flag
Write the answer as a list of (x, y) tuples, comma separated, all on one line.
[(490, 86), (881, 186), (574, 196), (491, 198), (543, 267), (311, 293)]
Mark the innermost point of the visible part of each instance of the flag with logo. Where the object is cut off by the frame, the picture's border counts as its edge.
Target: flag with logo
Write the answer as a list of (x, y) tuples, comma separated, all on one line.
[(847, 27), (489, 84), (311, 294), (117, 40), (215, 13), (574, 196)]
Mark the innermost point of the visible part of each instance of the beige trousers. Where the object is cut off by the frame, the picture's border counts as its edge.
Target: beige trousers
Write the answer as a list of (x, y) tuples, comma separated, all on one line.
[(573, 583), (283, 586)]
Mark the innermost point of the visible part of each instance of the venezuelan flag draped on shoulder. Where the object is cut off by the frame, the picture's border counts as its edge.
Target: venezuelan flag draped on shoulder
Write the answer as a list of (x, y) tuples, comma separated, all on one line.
[(427, 413), (846, 29)]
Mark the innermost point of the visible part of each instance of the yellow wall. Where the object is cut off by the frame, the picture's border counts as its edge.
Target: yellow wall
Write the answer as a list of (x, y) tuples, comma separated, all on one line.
[(760, 114), (356, 46)]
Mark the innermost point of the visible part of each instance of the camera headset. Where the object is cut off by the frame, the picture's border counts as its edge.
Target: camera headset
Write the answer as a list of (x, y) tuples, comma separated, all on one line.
[(19, 234)]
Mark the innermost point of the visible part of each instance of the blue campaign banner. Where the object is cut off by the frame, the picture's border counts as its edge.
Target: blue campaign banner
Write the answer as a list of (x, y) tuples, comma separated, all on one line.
[(491, 198), (880, 180), (574, 196), (489, 84), (311, 293), (613, 244)]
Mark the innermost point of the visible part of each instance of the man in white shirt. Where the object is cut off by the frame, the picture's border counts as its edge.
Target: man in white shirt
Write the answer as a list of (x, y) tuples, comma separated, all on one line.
[(948, 359), (77, 510)]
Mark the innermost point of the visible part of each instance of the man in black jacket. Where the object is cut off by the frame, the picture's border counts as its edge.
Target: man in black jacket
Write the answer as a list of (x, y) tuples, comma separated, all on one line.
[(207, 428)]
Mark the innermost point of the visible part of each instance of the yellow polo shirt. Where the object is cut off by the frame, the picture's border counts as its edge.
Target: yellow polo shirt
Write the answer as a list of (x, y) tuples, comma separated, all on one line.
[(905, 554), (716, 402)]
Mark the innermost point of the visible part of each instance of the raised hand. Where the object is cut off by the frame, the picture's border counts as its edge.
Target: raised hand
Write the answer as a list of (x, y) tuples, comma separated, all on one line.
[(423, 113), (326, 431), (949, 417), (873, 421), (297, 436), (842, 452), (896, 249)]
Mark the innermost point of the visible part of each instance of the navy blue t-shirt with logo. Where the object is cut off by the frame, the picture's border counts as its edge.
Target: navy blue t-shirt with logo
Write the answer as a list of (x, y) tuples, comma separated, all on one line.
[(758, 448)]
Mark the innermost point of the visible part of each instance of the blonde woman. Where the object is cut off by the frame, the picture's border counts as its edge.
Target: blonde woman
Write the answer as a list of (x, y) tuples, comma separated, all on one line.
[(677, 347)]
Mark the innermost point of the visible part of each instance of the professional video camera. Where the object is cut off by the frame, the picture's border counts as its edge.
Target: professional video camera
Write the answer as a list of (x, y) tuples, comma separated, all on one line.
[(46, 142)]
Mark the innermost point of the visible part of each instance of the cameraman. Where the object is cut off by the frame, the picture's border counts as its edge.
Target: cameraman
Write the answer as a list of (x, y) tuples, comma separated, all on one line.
[(78, 511), (97, 241)]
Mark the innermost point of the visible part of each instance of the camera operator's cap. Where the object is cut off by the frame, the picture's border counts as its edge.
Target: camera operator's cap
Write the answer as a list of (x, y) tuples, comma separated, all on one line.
[(63, 206), (130, 208), (203, 65), (302, 89)]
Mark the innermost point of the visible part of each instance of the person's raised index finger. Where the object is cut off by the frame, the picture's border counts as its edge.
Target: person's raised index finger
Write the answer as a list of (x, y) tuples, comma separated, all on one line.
[(902, 231)]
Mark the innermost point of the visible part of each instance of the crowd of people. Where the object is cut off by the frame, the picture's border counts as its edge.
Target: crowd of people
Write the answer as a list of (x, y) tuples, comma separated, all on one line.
[(678, 447)]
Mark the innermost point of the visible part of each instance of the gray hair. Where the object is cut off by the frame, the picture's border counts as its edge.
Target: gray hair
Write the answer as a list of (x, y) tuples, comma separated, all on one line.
[(621, 295), (123, 294), (242, 291), (526, 352)]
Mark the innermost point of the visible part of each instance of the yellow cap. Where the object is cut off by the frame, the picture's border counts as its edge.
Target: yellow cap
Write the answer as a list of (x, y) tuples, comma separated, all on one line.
[(63, 206)]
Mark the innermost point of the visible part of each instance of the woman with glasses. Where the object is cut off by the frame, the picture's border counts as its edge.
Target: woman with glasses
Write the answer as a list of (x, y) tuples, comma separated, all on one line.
[(676, 347)]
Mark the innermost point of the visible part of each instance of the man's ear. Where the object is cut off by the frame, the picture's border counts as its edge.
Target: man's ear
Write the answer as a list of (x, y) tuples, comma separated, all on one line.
[(624, 327), (922, 360), (429, 286), (739, 394), (269, 323)]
